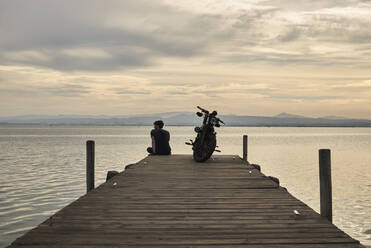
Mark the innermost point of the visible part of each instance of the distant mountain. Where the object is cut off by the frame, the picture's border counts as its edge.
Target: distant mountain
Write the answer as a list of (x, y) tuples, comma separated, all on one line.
[(332, 117), (187, 119), (286, 115)]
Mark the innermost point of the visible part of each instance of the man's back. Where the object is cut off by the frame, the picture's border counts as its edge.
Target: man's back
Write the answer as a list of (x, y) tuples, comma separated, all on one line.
[(162, 138)]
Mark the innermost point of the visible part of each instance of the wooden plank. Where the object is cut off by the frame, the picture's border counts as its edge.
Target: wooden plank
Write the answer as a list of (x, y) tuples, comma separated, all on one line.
[(199, 246), (171, 201)]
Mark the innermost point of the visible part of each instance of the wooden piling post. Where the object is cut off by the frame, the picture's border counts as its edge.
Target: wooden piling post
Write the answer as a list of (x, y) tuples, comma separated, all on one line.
[(325, 183), (90, 161), (244, 148)]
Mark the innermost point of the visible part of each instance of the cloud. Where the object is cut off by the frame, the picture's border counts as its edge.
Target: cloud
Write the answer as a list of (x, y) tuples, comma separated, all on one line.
[(27, 56), (137, 34), (64, 90), (126, 34), (303, 97), (124, 91), (356, 86), (68, 90), (177, 93), (257, 55), (291, 35)]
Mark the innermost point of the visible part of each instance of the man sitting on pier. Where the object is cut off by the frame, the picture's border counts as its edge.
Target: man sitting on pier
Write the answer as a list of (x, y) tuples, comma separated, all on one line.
[(160, 140)]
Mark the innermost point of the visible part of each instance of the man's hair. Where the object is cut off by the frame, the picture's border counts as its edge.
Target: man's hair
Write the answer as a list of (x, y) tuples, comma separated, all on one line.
[(160, 123)]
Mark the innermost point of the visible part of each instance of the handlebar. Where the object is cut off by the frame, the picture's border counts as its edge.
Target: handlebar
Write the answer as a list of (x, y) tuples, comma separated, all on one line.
[(202, 109), (207, 112), (221, 121)]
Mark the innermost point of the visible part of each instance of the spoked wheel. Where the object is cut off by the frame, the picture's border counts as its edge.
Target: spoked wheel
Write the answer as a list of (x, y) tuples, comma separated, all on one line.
[(202, 152)]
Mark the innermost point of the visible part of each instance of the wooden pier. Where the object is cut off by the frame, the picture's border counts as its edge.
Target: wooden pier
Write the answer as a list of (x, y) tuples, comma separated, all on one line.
[(172, 201)]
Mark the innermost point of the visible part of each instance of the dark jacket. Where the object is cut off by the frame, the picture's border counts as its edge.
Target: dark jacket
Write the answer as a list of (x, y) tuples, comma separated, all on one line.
[(162, 138)]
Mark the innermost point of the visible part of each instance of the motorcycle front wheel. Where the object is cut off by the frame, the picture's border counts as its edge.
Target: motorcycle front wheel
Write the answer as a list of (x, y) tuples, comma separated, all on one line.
[(202, 152)]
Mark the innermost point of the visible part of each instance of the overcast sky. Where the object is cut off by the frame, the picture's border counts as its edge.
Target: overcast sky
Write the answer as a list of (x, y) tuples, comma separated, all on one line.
[(248, 57)]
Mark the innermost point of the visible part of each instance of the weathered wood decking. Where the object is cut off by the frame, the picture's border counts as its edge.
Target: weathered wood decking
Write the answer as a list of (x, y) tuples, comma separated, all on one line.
[(171, 201)]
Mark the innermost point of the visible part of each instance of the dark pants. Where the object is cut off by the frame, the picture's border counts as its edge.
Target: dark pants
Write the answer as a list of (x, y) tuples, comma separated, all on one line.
[(150, 151)]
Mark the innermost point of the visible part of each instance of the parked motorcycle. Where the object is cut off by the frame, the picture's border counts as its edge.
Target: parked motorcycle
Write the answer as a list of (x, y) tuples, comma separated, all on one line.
[(205, 143)]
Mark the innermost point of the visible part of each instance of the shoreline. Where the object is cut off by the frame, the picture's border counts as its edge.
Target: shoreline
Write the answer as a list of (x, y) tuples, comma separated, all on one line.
[(170, 125)]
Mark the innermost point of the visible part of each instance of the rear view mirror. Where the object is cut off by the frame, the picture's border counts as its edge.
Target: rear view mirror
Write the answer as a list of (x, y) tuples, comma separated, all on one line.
[(199, 114)]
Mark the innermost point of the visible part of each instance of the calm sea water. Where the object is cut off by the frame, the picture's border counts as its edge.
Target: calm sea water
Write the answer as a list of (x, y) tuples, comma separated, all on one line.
[(42, 168)]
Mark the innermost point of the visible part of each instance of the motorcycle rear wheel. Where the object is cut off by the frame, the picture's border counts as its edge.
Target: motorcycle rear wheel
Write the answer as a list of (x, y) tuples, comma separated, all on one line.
[(203, 152)]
